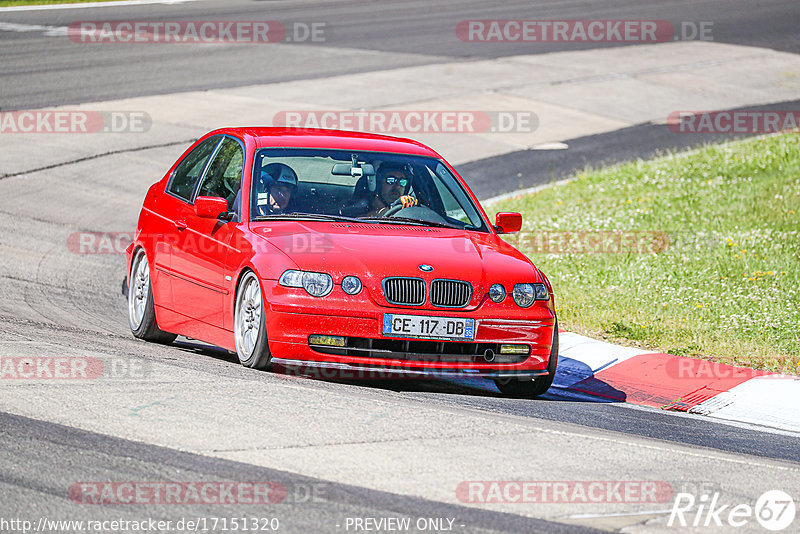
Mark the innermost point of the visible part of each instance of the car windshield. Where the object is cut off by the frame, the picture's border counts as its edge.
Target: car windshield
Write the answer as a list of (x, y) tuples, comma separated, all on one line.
[(363, 186)]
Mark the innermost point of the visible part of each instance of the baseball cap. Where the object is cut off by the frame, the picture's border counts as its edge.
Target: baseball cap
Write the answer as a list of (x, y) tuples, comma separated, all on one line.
[(281, 174)]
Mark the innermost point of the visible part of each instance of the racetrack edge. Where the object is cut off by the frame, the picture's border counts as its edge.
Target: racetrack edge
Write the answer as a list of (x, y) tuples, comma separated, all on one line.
[(614, 373)]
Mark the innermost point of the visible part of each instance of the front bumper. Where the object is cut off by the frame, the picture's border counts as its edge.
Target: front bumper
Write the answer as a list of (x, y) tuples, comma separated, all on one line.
[(350, 371), (294, 316)]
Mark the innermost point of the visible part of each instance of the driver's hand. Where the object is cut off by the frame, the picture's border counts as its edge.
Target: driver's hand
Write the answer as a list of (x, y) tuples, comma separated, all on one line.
[(407, 201)]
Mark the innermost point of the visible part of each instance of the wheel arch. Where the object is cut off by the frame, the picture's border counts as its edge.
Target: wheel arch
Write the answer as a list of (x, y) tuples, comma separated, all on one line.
[(262, 362)]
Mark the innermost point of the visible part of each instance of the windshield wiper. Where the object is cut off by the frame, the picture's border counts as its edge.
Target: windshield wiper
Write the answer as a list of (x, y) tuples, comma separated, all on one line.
[(406, 220), (311, 216)]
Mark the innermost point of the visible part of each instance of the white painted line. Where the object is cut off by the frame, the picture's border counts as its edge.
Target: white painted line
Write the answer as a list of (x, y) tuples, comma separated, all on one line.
[(523, 192), (688, 415), (85, 5), (619, 514), (676, 155), (550, 146), (49, 31)]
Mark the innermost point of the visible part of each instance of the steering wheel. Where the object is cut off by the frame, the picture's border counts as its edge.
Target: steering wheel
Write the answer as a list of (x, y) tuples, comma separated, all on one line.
[(394, 207), (418, 212)]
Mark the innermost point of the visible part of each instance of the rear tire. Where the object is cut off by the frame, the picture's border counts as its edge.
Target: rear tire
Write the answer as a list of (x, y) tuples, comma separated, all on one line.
[(530, 389), (249, 323), (141, 308)]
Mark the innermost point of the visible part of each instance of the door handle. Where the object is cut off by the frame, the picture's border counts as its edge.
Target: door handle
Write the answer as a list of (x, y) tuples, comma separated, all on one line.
[(180, 225)]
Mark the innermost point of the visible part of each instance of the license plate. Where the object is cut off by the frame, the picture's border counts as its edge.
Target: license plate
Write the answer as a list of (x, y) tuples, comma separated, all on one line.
[(426, 327)]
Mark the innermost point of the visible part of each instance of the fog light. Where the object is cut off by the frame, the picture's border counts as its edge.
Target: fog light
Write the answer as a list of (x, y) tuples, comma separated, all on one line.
[(331, 341), (508, 348)]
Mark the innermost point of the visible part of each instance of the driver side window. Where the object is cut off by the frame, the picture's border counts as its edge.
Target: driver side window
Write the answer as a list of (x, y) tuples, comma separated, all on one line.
[(224, 175)]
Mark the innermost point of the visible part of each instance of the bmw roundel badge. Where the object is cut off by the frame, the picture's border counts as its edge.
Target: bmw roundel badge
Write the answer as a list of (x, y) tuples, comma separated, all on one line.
[(425, 268)]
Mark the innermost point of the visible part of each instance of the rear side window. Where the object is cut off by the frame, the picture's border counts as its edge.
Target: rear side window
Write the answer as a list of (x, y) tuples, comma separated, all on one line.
[(188, 171)]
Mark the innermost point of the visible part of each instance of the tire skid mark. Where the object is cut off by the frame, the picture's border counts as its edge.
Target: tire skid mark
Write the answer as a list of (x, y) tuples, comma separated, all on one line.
[(96, 156)]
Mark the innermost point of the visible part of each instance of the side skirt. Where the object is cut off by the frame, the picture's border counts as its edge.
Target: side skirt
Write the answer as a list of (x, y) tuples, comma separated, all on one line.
[(180, 324)]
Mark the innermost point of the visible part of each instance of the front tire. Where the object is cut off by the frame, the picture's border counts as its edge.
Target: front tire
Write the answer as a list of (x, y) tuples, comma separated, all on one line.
[(249, 323), (141, 308), (530, 389)]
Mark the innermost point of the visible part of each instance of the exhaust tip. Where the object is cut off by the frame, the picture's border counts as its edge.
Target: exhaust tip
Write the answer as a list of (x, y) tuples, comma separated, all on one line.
[(488, 355)]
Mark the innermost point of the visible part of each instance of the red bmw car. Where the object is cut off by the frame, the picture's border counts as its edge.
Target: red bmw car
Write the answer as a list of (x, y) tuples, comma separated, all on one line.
[(338, 250)]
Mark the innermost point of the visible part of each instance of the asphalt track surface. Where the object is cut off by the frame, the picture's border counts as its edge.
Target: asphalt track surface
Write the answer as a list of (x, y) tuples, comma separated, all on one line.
[(302, 510), (39, 70), (56, 302), (506, 173)]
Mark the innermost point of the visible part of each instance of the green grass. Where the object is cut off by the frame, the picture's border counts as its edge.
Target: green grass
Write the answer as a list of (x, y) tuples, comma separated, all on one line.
[(11, 3), (724, 287)]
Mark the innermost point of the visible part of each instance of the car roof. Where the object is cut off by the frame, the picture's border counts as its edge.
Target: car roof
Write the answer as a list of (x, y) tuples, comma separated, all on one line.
[(270, 136)]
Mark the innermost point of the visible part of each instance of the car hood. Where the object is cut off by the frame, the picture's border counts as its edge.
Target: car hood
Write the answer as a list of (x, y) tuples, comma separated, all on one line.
[(375, 251)]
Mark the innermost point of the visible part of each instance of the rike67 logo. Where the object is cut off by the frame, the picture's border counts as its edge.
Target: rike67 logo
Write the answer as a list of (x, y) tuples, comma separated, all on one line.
[(774, 510)]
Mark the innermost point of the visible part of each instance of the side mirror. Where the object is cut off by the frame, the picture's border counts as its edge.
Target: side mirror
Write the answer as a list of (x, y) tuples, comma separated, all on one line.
[(210, 207), (508, 223)]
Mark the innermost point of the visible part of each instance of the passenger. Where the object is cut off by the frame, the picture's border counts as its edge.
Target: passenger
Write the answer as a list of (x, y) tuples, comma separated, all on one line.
[(274, 189)]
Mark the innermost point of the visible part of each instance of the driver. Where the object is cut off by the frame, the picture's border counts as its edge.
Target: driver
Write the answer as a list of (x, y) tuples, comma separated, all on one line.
[(393, 184), (275, 188)]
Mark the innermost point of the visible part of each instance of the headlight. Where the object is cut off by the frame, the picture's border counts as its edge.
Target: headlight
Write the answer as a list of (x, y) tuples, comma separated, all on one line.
[(526, 294), (291, 279), (497, 293), (317, 284), (351, 285)]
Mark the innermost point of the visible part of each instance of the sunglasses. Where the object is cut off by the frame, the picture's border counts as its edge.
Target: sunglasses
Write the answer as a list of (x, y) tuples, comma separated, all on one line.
[(392, 179), (282, 189)]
